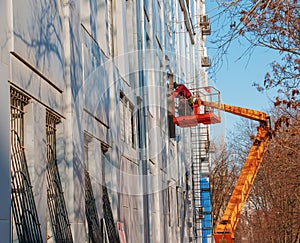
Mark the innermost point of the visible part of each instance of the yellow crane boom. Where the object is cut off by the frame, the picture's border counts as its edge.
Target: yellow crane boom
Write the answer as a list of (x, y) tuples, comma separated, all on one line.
[(225, 228)]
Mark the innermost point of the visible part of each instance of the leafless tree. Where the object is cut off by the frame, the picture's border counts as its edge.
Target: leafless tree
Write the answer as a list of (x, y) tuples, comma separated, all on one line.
[(222, 177), (272, 211), (273, 208), (271, 24), (227, 163)]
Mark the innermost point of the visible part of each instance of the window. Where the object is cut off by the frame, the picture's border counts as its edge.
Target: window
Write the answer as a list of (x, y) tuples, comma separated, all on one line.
[(171, 124), (127, 121), (94, 231), (58, 214), (25, 217)]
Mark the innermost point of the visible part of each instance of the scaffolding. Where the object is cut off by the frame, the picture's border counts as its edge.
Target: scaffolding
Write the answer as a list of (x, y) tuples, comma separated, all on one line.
[(201, 189), (200, 147)]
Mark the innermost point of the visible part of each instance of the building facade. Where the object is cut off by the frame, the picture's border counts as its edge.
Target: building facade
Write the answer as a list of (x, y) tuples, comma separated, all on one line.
[(89, 152)]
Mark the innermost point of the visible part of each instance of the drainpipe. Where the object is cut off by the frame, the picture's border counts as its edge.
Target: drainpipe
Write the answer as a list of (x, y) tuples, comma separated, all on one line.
[(143, 118)]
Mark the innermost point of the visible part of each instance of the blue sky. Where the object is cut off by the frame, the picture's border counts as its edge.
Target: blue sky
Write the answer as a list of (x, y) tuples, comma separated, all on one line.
[(236, 77), (235, 82)]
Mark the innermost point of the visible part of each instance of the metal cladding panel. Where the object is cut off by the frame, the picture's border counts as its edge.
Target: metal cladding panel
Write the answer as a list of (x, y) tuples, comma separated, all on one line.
[(38, 38)]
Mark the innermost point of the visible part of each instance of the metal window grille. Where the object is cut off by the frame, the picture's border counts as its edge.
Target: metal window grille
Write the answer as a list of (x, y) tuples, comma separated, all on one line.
[(95, 234), (23, 205), (112, 232), (94, 226), (55, 199)]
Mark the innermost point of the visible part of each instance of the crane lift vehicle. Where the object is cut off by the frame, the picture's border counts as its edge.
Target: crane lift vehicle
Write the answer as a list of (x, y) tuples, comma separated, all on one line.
[(205, 108)]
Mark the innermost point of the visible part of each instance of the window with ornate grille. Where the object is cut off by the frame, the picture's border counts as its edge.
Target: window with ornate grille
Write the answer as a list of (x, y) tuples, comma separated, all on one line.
[(127, 121), (55, 198), (94, 227), (23, 206)]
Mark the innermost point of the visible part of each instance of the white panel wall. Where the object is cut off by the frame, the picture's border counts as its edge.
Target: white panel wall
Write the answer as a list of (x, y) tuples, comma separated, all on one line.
[(37, 28)]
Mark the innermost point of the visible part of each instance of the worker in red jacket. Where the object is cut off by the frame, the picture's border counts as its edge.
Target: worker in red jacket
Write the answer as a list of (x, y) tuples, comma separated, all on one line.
[(182, 91)]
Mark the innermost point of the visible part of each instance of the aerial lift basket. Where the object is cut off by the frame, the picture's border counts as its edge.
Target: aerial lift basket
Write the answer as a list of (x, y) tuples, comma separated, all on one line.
[(190, 112)]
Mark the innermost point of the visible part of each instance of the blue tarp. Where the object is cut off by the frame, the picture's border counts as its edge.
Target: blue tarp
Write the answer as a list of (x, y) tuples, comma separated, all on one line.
[(206, 204)]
